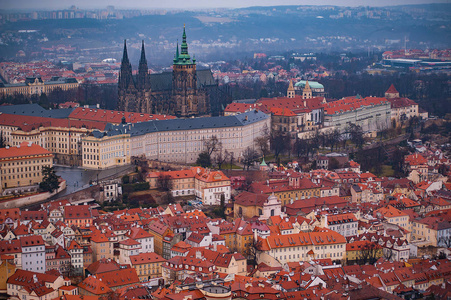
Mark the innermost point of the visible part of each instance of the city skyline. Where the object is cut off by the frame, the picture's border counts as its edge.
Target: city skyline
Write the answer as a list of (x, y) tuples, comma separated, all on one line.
[(197, 4)]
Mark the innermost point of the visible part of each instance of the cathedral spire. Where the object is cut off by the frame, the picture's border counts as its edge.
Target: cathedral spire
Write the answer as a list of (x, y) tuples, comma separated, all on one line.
[(125, 54), (184, 47), (176, 56), (143, 54), (183, 57), (125, 74), (143, 70)]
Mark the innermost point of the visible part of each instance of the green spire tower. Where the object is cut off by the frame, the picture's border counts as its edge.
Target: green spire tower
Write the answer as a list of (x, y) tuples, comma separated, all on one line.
[(183, 58)]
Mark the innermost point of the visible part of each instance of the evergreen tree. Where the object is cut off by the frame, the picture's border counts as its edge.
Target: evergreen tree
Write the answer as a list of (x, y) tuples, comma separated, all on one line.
[(50, 181)]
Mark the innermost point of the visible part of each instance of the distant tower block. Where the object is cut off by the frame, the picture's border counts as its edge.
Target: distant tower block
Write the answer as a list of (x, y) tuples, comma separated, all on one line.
[(290, 91), (307, 92)]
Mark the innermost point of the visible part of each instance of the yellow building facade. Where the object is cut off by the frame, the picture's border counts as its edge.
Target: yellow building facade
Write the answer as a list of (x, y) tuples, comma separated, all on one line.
[(22, 165)]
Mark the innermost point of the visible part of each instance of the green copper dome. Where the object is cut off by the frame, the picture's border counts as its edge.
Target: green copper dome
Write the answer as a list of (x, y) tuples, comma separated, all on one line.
[(313, 84)]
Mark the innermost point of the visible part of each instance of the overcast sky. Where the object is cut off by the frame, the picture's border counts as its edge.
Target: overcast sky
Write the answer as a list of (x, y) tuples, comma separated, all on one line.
[(187, 4)]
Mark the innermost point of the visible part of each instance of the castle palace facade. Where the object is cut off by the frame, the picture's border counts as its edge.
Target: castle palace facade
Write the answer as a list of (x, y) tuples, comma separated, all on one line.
[(184, 92)]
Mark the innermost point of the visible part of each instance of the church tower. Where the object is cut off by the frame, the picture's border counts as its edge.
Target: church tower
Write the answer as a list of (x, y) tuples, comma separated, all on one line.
[(134, 93), (126, 85), (290, 91), (307, 91), (143, 83), (184, 82)]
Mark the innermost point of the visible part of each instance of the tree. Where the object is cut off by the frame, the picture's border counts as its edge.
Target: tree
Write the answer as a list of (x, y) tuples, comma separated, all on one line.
[(164, 182), (50, 180), (249, 157), (204, 159), (3, 143), (444, 241), (280, 142), (334, 164), (212, 144), (333, 138), (220, 157), (232, 159), (368, 253), (222, 207), (262, 144), (356, 134)]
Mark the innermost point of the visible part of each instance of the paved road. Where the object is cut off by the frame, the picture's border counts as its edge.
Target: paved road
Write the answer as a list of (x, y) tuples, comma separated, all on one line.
[(79, 178)]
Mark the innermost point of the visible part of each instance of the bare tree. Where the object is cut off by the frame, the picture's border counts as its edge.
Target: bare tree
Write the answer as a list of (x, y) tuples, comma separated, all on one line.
[(164, 182), (333, 138), (280, 142), (356, 134), (262, 143), (212, 144), (368, 253), (249, 157), (220, 157), (444, 241), (231, 159)]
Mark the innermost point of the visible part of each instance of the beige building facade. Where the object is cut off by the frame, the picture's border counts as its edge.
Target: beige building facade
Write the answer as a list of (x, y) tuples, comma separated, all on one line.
[(35, 86), (101, 152), (22, 165), (178, 140)]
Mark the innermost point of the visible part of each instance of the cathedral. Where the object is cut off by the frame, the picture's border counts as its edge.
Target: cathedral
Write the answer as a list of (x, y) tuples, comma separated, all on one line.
[(184, 92)]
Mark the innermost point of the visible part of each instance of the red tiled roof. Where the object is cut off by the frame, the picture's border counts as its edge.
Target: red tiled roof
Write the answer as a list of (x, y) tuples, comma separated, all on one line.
[(392, 89), (145, 258), (94, 285), (351, 103), (25, 149), (28, 123)]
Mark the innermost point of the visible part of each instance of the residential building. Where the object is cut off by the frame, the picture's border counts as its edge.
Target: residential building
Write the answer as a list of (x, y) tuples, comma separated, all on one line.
[(33, 253), (143, 237), (434, 231), (7, 268), (76, 257), (147, 265), (159, 231), (182, 182), (118, 279), (345, 224), (275, 250), (211, 186), (28, 285)]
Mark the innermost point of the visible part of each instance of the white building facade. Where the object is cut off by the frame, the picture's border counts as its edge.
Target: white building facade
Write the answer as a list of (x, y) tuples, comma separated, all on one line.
[(33, 253), (177, 140)]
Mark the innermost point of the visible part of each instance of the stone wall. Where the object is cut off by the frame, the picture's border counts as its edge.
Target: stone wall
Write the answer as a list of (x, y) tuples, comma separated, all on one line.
[(27, 200)]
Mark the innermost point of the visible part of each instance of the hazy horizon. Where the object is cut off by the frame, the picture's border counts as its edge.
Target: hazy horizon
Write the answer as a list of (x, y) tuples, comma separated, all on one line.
[(195, 4)]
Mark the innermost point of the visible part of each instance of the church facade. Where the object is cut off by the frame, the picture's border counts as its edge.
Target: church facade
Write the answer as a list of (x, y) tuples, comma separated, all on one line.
[(184, 92)]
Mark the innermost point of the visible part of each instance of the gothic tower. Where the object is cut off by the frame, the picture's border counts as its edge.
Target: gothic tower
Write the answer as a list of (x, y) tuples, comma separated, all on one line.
[(307, 92), (184, 83), (134, 93), (143, 83), (126, 84)]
